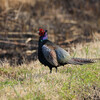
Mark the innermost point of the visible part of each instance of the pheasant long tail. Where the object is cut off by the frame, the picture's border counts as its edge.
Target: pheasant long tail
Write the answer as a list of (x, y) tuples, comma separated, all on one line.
[(81, 61)]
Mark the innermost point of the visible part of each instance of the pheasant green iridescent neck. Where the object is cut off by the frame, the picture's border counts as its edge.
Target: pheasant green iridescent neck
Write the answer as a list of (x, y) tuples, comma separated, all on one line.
[(45, 37)]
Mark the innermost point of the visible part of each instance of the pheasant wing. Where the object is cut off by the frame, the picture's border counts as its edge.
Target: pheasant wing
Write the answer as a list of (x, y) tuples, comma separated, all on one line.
[(50, 55)]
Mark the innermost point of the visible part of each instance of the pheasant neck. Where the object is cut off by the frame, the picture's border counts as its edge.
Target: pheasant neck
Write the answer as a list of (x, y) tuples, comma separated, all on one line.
[(45, 37)]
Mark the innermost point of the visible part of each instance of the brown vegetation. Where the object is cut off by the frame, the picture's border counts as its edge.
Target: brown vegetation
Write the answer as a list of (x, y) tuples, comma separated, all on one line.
[(6, 4), (67, 21)]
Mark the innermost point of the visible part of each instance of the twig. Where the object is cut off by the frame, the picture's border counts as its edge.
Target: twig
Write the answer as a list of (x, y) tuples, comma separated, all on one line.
[(14, 43), (19, 11)]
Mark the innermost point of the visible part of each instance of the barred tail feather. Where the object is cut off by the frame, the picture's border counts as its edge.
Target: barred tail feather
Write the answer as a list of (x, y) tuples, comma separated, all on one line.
[(80, 61)]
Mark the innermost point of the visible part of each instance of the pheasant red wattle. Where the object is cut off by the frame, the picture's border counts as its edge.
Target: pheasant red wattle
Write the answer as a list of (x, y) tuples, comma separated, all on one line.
[(41, 32)]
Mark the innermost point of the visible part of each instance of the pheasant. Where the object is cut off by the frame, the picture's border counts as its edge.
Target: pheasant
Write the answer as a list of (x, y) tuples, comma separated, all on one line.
[(51, 55)]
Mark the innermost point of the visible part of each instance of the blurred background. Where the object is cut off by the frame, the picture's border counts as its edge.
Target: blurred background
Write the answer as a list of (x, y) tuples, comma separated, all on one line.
[(68, 22)]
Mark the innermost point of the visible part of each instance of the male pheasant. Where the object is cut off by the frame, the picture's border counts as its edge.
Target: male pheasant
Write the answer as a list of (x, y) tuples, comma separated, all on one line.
[(52, 55)]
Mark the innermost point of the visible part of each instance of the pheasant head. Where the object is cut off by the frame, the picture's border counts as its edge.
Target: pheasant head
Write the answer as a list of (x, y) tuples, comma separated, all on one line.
[(43, 34)]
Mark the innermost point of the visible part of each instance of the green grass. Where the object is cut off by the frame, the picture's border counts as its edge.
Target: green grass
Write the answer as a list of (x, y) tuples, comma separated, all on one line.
[(71, 82)]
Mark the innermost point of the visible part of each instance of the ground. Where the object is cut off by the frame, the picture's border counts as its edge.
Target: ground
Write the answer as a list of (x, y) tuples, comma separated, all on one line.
[(72, 82)]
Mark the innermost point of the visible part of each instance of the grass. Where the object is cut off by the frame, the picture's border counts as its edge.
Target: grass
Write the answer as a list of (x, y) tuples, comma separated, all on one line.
[(71, 82)]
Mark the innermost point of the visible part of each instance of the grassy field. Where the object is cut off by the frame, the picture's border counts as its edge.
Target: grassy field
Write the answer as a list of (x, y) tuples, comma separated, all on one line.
[(71, 82)]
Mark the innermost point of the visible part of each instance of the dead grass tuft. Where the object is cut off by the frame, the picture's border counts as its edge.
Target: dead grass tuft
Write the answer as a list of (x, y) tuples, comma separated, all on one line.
[(6, 4)]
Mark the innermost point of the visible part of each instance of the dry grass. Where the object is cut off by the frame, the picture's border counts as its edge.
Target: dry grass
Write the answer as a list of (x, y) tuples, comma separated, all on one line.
[(33, 81), (6, 4)]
